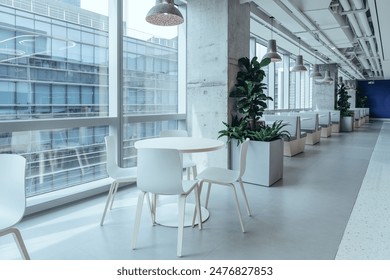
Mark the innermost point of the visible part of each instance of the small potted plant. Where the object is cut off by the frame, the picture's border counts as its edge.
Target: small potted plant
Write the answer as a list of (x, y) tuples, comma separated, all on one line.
[(343, 105), (265, 151)]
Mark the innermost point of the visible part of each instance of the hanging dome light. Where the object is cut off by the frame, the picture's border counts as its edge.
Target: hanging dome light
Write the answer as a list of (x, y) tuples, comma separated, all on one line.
[(316, 68), (164, 13), (299, 67), (271, 50), (316, 72), (327, 78)]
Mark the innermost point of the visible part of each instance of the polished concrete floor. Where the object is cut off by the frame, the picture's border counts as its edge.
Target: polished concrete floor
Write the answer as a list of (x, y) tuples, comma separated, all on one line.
[(303, 216)]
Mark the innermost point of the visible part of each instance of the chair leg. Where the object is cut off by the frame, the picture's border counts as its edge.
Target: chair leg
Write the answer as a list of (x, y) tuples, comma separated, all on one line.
[(245, 198), (194, 172), (208, 195), (18, 240), (197, 208), (200, 184), (109, 197), (237, 206), (137, 220), (153, 208), (113, 194), (180, 223)]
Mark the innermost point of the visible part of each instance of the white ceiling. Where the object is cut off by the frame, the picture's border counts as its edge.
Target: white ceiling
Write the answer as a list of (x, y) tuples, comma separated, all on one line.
[(329, 26)]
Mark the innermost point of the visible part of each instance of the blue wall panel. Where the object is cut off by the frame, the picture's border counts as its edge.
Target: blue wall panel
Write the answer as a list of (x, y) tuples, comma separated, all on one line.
[(378, 93)]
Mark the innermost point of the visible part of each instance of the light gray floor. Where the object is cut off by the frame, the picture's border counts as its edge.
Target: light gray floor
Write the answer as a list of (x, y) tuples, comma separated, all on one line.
[(301, 217), (368, 231)]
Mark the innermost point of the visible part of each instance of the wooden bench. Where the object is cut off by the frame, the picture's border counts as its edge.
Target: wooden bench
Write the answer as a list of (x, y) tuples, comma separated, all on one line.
[(296, 143)]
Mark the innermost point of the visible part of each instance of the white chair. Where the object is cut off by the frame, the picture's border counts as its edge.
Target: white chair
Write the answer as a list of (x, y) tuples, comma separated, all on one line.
[(118, 174), (187, 162), (12, 197), (227, 177), (160, 173)]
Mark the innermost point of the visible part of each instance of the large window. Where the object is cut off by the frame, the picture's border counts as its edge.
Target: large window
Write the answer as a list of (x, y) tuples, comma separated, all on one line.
[(289, 90), (150, 73), (55, 89)]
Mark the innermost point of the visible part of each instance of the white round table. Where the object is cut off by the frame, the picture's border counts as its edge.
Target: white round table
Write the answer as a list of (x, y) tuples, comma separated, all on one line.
[(182, 144), (167, 213)]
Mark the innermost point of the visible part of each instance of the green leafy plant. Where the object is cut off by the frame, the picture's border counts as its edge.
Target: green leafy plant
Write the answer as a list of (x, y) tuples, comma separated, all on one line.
[(251, 103), (270, 133), (249, 89), (236, 130), (361, 99), (343, 104)]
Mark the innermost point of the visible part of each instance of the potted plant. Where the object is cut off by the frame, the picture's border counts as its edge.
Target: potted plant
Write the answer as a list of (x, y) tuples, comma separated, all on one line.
[(343, 105), (265, 151)]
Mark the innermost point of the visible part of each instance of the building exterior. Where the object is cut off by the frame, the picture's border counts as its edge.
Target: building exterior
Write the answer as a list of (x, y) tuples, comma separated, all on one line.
[(54, 65)]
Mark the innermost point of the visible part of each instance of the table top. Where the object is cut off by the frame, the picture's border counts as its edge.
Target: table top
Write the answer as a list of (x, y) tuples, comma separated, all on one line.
[(182, 144)]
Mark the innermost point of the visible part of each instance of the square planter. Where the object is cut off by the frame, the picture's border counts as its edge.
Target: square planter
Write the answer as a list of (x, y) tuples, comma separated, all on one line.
[(264, 162), (346, 124)]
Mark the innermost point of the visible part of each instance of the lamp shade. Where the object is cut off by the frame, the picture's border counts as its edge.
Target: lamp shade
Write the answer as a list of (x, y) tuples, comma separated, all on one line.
[(164, 13), (299, 67), (327, 78), (271, 52), (316, 72)]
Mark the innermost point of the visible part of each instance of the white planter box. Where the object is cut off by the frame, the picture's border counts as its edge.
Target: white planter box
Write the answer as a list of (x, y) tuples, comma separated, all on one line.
[(346, 124), (264, 162)]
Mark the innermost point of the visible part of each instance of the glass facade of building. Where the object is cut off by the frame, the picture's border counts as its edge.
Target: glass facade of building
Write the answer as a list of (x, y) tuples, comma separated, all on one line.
[(54, 66)]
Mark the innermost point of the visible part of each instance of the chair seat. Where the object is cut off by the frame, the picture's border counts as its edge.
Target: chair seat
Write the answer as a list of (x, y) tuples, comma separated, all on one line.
[(8, 219), (219, 175), (124, 174)]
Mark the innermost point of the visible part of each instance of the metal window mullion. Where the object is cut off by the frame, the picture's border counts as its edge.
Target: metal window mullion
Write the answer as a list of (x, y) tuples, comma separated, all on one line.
[(116, 73)]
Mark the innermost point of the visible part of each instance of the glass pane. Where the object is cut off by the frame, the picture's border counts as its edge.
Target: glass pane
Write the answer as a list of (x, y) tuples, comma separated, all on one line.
[(59, 158), (150, 75), (138, 131), (150, 64), (54, 64), (48, 46)]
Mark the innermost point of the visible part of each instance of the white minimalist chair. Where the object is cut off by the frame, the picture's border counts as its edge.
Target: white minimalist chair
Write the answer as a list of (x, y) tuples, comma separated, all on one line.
[(187, 162), (118, 174), (160, 173), (227, 177), (12, 197)]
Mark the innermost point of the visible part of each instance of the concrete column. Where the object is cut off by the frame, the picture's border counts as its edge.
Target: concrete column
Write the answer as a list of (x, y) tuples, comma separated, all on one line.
[(324, 94), (217, 36)]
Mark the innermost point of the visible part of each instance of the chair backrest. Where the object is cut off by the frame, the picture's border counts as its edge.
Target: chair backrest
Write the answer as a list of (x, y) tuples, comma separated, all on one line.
[(159, 171), (243, 152), (111, 155), (174, 133), (12, 186)]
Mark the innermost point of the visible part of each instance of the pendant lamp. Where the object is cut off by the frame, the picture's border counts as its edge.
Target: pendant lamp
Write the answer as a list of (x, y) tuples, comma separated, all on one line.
[(164, 13), (316, 69), (271, 50), (316, 72), (299, 67), (327, 78)]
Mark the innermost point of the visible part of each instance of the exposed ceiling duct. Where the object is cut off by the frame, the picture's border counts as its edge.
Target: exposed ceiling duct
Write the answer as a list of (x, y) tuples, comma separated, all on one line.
[(340, 30), (360, 13)]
